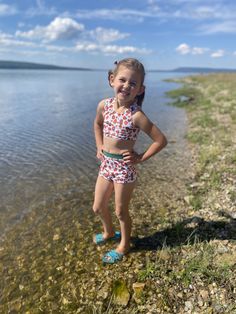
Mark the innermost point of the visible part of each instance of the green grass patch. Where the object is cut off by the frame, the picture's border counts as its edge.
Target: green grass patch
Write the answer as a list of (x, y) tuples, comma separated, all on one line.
[(206, 121), (196, 201), (184, 96), (197, 263), (208, 155), (200, 138)]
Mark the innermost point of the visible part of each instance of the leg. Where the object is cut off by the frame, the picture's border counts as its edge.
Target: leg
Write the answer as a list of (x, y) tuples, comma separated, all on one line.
[(123, 193), (103, 191)]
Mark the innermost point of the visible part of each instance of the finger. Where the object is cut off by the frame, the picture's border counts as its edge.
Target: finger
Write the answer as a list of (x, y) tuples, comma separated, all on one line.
[(128, 158), (125, 154)]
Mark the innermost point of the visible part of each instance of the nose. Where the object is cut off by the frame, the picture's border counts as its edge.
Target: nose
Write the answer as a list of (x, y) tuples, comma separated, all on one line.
[(126, 85)]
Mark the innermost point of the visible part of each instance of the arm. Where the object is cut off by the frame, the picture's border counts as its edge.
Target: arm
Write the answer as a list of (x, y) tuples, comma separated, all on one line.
[(98, 129), (158, 138)]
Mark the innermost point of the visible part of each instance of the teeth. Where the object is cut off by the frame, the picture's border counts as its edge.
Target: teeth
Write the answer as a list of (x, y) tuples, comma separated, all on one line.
[(124, 93)]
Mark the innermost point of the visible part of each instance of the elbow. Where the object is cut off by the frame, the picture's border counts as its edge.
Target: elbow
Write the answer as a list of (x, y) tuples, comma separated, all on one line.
[(164, 141)]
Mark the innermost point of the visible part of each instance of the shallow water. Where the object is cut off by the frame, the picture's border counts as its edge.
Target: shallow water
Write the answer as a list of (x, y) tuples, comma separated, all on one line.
[(48, 261), (46, 139)]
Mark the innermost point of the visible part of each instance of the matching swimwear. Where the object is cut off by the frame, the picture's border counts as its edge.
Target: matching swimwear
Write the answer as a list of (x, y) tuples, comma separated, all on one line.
[(119, 126), (117, 170)]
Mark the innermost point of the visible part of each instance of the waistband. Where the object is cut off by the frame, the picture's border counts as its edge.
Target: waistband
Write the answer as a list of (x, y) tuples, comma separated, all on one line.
[(115, 156)]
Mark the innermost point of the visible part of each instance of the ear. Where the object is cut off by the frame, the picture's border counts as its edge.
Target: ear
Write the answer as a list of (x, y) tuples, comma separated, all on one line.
[(111, 79), (142, 90)]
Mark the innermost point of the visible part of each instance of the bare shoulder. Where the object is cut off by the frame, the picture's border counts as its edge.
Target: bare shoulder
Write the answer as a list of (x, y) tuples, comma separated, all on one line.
[(101, 105), (140, 117)]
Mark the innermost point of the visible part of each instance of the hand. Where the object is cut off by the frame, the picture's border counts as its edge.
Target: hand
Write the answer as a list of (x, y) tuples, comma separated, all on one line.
[(131, 157), (100, 153)]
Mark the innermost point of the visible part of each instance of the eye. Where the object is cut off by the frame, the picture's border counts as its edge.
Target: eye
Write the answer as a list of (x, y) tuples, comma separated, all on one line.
[(122, 80), (133, 84)]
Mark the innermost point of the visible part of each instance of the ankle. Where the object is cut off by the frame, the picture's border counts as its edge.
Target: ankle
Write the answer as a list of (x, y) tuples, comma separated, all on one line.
[(123, 249), (107, 235)]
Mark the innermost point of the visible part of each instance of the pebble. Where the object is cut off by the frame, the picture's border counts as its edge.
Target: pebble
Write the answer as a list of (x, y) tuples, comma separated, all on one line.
[(188, 306), (204, 294)]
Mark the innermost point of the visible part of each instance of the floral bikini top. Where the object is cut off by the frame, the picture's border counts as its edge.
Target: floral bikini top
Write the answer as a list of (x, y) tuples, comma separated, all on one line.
[(119, 125)]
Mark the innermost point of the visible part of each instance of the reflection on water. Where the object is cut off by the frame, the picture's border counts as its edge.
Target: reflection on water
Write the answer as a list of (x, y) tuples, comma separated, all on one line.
[(46, 139)]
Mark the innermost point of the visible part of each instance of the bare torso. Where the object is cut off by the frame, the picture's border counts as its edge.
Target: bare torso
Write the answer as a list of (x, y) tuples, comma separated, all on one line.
[(116, 146)]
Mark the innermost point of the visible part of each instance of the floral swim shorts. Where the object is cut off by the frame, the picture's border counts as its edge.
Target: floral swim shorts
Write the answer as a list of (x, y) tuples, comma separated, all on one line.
[(116, 170)]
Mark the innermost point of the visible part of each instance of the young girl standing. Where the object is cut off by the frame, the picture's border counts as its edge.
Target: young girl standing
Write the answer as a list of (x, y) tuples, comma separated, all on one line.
[(116, 126)]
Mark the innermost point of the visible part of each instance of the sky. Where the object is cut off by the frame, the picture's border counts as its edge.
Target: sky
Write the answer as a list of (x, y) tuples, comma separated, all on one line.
[(163, 34)]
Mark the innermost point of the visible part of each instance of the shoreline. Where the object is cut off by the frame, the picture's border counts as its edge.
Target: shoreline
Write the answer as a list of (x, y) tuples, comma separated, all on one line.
[(183, 251)]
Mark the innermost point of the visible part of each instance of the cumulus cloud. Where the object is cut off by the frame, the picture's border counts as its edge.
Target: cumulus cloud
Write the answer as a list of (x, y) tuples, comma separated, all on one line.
[(218, 54), (103, 35), (92, 41), (98, 48), (185, 49), (58, 29), (110, 49)]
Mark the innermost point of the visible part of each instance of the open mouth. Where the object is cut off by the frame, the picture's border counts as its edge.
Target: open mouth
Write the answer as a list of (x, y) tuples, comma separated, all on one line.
[(124, 93)]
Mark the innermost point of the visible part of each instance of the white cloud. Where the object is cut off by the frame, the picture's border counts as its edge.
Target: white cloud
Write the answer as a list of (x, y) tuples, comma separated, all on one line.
[(185, 49), (194, 10), (216, 28), (218, 54), (103, 35), (91, 41), (199, 50), (7, 40), (113, 14), (6, 9), (113, 49), (59, 28), (110, 49)]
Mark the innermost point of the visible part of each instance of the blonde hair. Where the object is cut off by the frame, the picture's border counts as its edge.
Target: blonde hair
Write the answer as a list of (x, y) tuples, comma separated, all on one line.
[(133, 64)]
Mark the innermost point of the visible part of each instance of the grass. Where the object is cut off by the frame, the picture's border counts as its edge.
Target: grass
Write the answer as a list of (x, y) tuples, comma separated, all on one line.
[(210, 103), (197, 264), (182, 96)]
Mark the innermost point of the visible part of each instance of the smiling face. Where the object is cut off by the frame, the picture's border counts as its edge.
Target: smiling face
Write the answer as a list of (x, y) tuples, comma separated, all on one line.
[(127, 84)]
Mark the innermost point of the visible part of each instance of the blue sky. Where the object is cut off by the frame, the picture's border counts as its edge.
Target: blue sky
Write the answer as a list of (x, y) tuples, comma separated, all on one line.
[(162, 34)]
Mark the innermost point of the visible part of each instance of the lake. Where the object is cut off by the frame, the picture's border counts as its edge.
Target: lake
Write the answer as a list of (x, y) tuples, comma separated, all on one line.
[(47, 142)]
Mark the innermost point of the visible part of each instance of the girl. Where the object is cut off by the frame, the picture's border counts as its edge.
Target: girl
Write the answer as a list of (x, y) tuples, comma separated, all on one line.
[(116, 126)]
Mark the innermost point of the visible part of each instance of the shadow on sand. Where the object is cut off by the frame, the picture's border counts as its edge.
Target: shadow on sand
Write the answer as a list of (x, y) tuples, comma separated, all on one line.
[(188, 231)]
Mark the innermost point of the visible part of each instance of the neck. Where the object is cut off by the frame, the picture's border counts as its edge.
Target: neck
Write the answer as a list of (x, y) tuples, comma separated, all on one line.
[(124, 104)]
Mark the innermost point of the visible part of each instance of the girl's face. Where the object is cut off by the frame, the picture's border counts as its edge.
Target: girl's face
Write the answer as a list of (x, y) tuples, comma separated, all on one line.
[(127, 84)]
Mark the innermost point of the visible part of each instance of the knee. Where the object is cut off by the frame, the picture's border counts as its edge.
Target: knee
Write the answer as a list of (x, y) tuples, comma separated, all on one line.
[(121, 213), (96, 209)]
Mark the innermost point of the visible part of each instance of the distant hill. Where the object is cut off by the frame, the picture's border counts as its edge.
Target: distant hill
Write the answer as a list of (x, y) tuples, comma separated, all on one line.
[(196, 70), (201, 69), (14, 65)]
